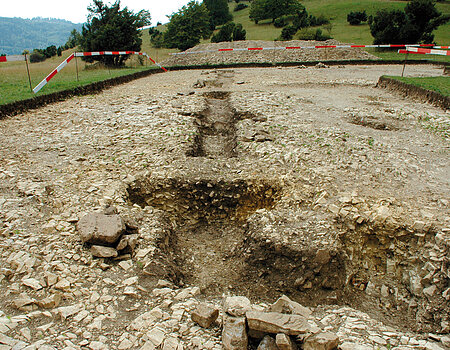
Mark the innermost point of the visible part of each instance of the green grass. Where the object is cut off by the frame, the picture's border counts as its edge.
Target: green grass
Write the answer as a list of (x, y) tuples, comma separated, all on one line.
[(14, 84), (336, 11), (438, 84)]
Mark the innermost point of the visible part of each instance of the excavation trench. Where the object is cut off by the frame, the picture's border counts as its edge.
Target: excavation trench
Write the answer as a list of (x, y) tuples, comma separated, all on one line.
[(216, 128), (208, 225)]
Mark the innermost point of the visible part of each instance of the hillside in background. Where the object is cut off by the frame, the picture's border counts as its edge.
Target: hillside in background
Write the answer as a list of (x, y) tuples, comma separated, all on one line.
[(337, 12), (19, 34)]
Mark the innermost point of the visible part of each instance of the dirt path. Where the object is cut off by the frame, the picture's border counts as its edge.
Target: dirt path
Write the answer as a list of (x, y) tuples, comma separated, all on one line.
[(328, 189)]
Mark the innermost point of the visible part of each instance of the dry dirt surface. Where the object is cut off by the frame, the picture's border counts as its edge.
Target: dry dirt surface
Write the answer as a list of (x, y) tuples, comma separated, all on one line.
[(258, 182), (207, 54)]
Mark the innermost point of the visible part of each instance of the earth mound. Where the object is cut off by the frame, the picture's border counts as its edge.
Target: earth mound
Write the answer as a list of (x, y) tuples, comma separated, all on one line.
[(209, 54)]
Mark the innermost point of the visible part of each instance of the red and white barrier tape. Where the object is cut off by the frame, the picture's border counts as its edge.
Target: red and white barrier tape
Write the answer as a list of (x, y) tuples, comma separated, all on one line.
[(52, 74), (12, 58), (418, 50), (108, 53), (303, 47), (87, 54)]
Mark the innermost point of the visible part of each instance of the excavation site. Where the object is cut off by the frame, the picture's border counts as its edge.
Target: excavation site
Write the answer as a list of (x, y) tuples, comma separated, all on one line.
[(228, 209)]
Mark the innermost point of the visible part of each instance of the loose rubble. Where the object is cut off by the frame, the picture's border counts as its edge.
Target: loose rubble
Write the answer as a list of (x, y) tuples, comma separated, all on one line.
[(333, 231), (213, 56)]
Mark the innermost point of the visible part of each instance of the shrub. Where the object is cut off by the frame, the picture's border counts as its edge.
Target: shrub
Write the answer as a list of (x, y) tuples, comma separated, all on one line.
[(224, 34), (317, 21), (240, 7), (280, 22), (37, 56), (355, 18), (312, 34), (239, 33), (288, 32)]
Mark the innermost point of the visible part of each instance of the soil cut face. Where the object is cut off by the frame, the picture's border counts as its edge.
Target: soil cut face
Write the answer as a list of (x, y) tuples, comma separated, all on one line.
[(208, 226)]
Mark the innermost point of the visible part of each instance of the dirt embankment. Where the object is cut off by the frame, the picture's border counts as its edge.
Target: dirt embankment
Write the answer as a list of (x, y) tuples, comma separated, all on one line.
[(414, 92)]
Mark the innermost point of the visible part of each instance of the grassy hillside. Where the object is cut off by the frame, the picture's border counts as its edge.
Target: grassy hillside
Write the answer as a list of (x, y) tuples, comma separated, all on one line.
[(337, 11)]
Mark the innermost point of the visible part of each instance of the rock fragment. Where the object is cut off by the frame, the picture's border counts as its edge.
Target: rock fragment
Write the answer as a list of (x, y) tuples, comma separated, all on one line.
[(237, 305), (267, 343), (97, 228), (321, 341), (103, 252), (284, 342), (205, 315), (274, 322), (234, 333), (285, 305)]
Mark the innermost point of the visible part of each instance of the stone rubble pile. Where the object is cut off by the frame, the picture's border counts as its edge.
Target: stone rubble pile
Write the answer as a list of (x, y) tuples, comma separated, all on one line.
[(264, 56)]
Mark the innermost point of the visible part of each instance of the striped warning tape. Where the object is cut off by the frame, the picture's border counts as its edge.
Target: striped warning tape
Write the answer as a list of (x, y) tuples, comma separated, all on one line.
[(12, 58), (304, 47), (418, 50), (87, 54), (103, 53), (108, 53), (52, 74)]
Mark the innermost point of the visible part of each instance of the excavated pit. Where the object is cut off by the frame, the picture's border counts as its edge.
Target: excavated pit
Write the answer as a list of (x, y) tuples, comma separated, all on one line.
[(233, 237), (208, 224)]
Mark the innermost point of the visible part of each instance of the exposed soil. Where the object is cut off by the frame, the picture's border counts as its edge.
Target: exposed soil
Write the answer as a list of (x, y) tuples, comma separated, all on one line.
[(308, 182)]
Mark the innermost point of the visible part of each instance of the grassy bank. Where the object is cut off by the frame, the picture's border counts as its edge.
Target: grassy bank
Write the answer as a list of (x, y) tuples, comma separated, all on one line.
[(14, 84), (438, 84)]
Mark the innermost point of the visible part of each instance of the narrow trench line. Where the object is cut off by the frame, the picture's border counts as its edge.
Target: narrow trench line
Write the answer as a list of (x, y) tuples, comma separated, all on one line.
[(216, 128)]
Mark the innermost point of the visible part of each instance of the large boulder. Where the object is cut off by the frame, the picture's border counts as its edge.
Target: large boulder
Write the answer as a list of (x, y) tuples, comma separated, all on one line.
[(101, 229)]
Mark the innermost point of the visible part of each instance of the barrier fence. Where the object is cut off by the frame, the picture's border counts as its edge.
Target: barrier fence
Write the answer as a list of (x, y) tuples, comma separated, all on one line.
[(420, 51), (70, 58), (89, 54)]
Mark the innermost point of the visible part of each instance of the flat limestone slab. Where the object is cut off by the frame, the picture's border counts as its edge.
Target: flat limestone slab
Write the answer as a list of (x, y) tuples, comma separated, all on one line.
[(275, 322)]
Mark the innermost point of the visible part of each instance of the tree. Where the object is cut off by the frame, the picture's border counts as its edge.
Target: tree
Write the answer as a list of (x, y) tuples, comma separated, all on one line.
[(36, 56), (224, 34), (219, 12), (50, 51), (239, 33), (240, 7), (229, 32), (272, 9), (414, 25), (288, 32), (74, 39), (112, 29), (156, 37), (187, 26), (425, 17)]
